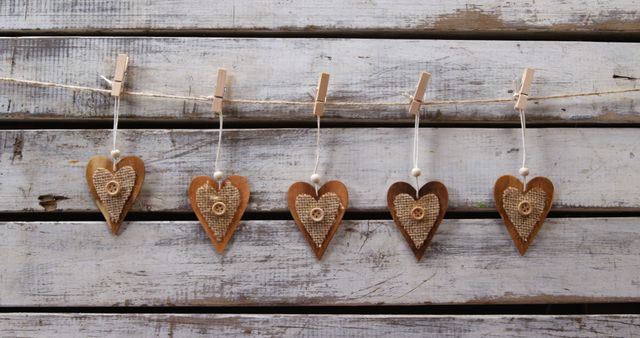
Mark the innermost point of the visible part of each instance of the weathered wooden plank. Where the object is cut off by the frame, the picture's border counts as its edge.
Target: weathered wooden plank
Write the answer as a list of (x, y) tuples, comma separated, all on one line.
[(362, 71), (269, 262), (312, 16), (279, 325), (590, 168)]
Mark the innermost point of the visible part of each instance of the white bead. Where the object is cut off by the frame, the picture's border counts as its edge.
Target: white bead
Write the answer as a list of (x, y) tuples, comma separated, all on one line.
[(115, 153), (315, 178), (218, 175), (415, 172), (524, 171)]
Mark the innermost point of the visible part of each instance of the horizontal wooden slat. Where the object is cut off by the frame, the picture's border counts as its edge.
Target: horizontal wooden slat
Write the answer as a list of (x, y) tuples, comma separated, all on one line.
[(269, 262), (590, 168), (259, 325), (312, 16), (362, 71)]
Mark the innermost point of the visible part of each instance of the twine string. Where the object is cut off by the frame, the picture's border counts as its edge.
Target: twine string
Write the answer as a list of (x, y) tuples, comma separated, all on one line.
[(287, 102)]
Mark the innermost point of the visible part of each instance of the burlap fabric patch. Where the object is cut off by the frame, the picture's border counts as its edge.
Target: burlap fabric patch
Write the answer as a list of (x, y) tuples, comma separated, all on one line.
[(207, 196), (126, 178), (512, 197), (418, 230), (329, 203)]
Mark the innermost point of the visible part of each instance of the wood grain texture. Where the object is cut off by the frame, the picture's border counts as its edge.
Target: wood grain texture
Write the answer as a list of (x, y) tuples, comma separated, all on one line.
[(280, 325), (368, 71), (590, 168), (268, 262), (311, 16)]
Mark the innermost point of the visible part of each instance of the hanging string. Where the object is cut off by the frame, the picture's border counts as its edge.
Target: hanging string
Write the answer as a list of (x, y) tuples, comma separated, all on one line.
[(523, 127), (116, 113), (115, 153), (315, 168), (286, 102), (219, 148), (416, 137), (524, 171)]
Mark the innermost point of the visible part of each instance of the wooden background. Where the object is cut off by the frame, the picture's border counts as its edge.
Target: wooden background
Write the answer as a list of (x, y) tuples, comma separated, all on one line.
[(62, 273)]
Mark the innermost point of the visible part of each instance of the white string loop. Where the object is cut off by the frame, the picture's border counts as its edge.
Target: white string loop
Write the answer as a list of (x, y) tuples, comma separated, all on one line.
[(524, 171), (315, 168), (219, 148), (416, 136), (523, 128), (115, 153)]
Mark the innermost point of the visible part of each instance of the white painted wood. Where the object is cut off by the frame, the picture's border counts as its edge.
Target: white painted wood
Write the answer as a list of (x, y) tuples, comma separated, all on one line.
[(590, 168), (259, 325), (269, 262), (368, 71), (311, 16)]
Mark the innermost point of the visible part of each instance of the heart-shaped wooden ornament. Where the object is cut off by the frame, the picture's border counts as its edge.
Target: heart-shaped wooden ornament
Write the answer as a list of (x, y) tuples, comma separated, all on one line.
[(115, 192), (523, 210), (318, 216), (418, 219), (219, 208)]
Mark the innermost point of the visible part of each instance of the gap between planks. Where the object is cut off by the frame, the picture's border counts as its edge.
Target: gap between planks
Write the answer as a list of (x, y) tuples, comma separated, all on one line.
[(452, 213), (370, 34)]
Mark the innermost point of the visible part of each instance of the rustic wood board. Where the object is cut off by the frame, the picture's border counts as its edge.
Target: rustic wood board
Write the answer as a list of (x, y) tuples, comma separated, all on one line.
[(283, 325), (310, 16), (591, 168), (269, 262), (366, 71)]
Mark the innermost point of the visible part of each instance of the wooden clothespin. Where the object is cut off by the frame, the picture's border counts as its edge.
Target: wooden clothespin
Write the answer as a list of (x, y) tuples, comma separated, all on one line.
[(416, 102), (117, 85), (218, 97), (523, 94), (321, 94)]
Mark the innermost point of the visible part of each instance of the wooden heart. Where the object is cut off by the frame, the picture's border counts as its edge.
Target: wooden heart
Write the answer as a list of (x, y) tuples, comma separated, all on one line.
[(115, 192), (418, 219), (219, 209), (318, 216), (523, 211)]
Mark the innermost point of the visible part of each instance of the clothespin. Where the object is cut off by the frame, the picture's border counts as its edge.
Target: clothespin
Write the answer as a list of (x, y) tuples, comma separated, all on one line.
[(219, 94), (416, 102), (321, 94), (523, 94), (117, 85)]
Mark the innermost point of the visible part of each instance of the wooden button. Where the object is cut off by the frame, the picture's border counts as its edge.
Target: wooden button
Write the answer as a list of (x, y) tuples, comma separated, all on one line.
[(417, 213), (316, 214), (524, 208), (112, 188), (219, 208)]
